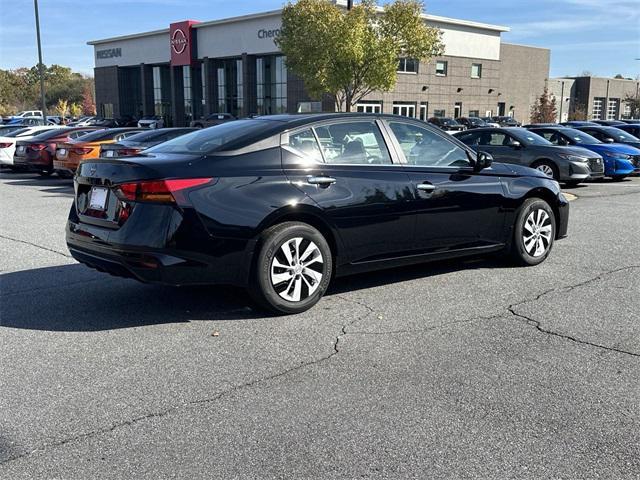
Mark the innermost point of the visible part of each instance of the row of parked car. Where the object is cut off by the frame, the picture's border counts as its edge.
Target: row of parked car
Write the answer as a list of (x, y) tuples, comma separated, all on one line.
[(60, 149), (571, 152)]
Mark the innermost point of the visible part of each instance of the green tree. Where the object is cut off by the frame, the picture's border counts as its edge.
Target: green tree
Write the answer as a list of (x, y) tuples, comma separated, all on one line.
[(544, 109), (75, 110), (351, 53), (578, 111)]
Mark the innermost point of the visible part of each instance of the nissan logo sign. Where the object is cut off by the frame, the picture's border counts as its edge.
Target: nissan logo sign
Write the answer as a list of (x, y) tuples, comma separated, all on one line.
[(178, 41), (109, 53)]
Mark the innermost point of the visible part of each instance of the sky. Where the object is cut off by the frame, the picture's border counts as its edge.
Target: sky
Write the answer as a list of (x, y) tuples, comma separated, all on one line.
[(597, 36)]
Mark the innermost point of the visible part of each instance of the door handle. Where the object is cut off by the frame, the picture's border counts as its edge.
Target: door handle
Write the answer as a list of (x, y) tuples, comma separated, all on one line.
[(426, 187), (325, 181)]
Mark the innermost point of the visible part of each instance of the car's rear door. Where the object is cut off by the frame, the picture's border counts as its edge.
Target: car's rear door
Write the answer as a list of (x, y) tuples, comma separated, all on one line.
[(346, 167), (455, 207)]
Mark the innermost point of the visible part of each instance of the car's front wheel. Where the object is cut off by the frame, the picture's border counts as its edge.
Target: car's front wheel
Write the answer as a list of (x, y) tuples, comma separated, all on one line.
[(293, 268), (534, 232), (548, 168)]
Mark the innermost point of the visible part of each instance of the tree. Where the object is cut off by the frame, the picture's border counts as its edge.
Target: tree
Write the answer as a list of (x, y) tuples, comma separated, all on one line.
[(62, 108), (351, 53), (88, 103), (544, 109), (633, 101), (578, 111), (619, 75), (75, 110)]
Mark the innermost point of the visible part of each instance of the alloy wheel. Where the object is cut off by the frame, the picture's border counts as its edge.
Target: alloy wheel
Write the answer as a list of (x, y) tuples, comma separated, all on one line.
[(537, 234), (297, 269), (546, 169)]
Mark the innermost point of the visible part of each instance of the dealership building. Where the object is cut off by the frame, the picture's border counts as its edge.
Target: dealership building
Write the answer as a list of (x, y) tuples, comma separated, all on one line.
[(233, 65)]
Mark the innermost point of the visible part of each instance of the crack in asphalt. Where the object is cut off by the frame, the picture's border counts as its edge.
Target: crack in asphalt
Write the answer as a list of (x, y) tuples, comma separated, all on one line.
[(36, 245), (538, 324), (335, 350)]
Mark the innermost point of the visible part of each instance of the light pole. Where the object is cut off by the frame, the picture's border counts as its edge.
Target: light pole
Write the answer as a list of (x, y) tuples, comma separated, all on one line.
[(43, 104)]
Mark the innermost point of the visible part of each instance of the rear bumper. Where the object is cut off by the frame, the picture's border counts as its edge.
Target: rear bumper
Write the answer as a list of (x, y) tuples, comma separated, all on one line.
[(69, 166), (162, 260), (32, 162)]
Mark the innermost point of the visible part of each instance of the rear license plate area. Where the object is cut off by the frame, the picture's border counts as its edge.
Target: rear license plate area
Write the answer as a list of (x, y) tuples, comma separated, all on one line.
[(98, 198)]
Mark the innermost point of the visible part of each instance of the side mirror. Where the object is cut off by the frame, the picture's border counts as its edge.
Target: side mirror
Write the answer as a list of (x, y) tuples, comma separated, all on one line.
[(483, 160), (515, 144)]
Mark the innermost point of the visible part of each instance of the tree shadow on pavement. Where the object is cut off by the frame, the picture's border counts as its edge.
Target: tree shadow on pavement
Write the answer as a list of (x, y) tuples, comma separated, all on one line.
[(54, 185), (74, 298)]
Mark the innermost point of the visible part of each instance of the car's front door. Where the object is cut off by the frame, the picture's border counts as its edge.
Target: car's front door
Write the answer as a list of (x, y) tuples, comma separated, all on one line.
[(455, 206), (347, 169), (500, 145)]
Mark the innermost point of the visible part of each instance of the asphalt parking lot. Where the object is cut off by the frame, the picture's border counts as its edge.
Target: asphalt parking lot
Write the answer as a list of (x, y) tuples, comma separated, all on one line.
[(466, 369)]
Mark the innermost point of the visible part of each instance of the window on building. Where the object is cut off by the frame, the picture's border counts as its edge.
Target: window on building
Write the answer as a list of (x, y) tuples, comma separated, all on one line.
[(187, 93), (424, 107), (271, 83), (157, 91), (357, 143), (474, 113), (476, 70), (441, 68), (626, 113), (404, 109), (238, 94), (457, 110), (203, 79), (439, 113), (222, 105), (369, 107), (408, 65), (107, 110), (613, 106), (597, 113)]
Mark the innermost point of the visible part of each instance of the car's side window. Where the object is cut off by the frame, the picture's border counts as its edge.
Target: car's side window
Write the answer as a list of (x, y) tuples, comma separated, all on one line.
[(469, 138), (306, 144), (357, 143), (553, 137), (422, 147)]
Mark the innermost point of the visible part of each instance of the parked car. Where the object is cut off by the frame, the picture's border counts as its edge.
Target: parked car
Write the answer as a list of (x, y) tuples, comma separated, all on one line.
[(4, 129), (540, 125), (631, 120), (620, 161), (447, 124), (9, 139), (22, 115), (212, 119), (471, 122), (151, 121), (136, 143), (489, 122), (520, 146), (70, 154), (506, 121), (37, 153), (578, 123), (611, 135), (127, 121), (609, 123), (82, 121), (282, 204), (631, 129)]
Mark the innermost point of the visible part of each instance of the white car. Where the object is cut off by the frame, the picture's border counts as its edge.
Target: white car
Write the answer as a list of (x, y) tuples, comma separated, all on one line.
[(8, 142), (25, 114), (151, 121)]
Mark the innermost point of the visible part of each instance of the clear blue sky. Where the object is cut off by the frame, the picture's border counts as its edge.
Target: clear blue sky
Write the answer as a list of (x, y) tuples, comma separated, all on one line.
[(600, 36)]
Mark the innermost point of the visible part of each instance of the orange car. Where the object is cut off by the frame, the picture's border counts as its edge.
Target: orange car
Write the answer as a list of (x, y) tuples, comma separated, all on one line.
[(70, 154)]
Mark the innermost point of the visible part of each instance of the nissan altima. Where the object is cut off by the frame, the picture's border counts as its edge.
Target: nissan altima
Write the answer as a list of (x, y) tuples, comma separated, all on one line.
[(283, 204)]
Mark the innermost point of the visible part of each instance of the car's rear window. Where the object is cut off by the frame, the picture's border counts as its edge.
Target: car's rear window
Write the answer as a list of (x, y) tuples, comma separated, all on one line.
[(54, 132), (227, 136), (101, 135)]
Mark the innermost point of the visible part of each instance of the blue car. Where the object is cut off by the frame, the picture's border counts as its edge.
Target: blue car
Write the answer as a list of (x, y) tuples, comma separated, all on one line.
[(620, 160)]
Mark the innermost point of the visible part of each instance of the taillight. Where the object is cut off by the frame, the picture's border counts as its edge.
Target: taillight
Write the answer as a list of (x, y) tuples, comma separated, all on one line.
[(36, 147), (5, 145), (159, 191), (82, 151), (129, 152)]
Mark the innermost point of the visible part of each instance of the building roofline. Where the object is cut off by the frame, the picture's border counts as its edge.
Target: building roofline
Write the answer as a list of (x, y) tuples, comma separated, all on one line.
[(523, 45), (595, 77), (270, 13)]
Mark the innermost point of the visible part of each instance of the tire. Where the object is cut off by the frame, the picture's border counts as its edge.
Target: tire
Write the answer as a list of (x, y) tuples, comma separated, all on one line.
[(534, 232), (280, 282), (548, 168)]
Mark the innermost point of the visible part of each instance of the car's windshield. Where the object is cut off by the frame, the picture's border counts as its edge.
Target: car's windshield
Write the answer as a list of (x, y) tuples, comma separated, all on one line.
[(213, 138), (54, 132), (15, 133), (529, 138), (580, 137), (477, 121), (620, 135), (448, 121), (104, 134)]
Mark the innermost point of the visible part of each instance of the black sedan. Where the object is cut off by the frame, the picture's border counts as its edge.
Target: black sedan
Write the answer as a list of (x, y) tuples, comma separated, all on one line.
[(611, 135), (518, 145), (282, 204)]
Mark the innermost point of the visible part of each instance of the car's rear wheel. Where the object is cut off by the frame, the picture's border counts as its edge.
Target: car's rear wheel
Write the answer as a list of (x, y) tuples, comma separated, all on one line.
[(293, 268), (534, 232), (548, 168)]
